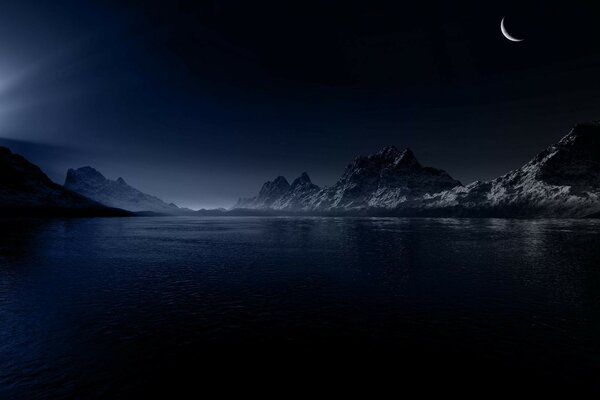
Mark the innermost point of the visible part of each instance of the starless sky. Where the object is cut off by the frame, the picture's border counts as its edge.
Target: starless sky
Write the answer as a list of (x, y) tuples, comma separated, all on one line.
[(201, 102)]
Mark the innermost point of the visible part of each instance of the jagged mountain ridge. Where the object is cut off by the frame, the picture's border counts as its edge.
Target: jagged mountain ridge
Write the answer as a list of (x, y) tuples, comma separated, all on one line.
[(384, 179), (299, 195), (561, 181), (280, 195), (26, 189), (89, 182)]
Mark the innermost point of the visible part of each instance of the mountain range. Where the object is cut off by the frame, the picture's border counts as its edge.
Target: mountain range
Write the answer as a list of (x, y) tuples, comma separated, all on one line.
[(561, 181)]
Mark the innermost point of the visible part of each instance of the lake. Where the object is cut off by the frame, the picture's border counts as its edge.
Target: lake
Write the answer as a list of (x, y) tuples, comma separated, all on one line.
[(125, 307)]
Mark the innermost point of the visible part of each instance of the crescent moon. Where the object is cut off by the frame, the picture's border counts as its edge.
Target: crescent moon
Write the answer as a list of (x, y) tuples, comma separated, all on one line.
[(506, 34)]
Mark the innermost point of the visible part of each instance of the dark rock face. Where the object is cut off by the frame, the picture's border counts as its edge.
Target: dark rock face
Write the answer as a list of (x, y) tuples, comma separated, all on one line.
[(25, 189), (576, 159), (19, 175), (299, 196), (302, 181), (91, 183), (270, 192)]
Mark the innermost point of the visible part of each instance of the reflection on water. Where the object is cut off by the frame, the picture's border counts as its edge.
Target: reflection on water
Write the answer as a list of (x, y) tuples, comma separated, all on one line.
[(107, 307)]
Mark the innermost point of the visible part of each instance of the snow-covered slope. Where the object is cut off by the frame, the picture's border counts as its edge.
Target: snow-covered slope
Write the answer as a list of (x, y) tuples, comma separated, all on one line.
[(25, 189), (561, 181), (385, 179), (91, 183)]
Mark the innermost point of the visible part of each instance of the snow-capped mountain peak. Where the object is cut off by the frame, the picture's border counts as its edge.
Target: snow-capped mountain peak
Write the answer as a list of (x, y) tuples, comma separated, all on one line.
[(91, 183), (561, 181)]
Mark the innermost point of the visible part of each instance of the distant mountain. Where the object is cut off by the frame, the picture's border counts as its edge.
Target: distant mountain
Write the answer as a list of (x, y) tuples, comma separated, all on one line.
[(299, 196), (91, 183), (385, 179), (26, 190), (270, 192), (280, 195), (562, 181)]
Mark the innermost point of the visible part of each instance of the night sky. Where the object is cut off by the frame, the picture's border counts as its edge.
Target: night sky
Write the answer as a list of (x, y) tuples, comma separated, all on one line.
[(201, 102)]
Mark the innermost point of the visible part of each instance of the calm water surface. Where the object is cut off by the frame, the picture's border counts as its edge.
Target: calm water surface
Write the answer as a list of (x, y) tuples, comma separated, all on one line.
[(107, 308)]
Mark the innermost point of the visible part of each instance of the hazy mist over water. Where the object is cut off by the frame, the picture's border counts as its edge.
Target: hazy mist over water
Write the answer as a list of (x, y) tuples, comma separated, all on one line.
[(111, 307)]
